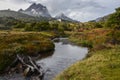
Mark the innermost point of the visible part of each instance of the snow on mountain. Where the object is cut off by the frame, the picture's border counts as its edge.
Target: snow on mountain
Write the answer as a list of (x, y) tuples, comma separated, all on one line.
[(36, 10)]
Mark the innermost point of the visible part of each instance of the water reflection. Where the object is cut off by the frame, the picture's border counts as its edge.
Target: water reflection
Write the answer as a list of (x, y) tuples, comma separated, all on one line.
[(45, 55), (63, 56), (56, 61)]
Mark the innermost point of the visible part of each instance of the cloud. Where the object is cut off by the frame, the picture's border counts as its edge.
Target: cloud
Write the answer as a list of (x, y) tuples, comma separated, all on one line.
[(63, 5), (75, 9), (13, 4), (16, 1), (21, 1), (82, 10), (31, 1)]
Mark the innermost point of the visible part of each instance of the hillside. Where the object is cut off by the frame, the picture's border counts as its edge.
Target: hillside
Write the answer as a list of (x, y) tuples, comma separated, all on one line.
[(101, 19), (17, 15)]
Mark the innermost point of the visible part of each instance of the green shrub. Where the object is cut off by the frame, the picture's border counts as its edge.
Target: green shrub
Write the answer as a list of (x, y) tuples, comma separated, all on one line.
[(6, 58), (86, 43)]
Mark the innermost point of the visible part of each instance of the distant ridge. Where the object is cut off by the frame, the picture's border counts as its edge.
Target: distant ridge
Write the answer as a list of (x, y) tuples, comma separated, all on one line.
[(100, 19), (14, 14), (64, 17)]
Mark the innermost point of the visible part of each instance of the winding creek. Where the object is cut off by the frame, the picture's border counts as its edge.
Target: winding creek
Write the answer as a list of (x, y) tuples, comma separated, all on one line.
[(65, 54)]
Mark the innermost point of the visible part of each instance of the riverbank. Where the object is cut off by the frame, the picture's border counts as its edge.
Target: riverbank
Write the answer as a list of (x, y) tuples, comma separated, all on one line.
[(56, 62), (101, 63), (65, 54), (27, 43)]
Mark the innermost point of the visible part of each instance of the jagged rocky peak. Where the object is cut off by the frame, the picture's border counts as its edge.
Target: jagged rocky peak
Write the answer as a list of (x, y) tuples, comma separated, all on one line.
[(36, 7), (62, 16), (37, 10), (20, 10)]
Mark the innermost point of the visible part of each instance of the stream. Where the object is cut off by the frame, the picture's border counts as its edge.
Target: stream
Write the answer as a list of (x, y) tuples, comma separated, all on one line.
[(65, 54)]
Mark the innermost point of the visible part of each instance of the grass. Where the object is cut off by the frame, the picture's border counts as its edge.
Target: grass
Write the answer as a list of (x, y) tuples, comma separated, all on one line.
[(102, 65), (28, 43), (90, 38)]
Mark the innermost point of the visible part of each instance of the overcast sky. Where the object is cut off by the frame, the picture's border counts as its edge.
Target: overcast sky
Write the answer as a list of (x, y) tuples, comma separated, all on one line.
[(82, 10)]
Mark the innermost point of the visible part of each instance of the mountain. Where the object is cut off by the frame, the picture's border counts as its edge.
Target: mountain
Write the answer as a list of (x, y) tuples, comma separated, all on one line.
[(64, 18), (20, 10), (22, 16), (36, 10), (15, 14), (101, 19)]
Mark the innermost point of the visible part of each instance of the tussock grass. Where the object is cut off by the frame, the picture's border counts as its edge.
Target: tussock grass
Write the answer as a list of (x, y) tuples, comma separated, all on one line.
[(94, 38), (102, 65), (102, 62), (28, 43)]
